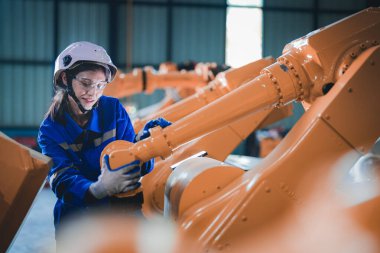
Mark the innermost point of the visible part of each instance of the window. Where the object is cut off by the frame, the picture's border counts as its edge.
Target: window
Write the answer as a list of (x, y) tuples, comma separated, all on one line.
[(244, 32)]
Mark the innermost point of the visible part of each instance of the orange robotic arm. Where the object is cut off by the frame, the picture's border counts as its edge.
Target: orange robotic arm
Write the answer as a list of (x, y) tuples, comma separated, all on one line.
[(218, 144), (173, 95), (307, 177), (223, 83), (307, 68), (147, 80), (344, 55)]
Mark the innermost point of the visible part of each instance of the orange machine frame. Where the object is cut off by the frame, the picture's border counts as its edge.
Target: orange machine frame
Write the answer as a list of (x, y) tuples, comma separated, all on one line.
[(314, 157), (226, 209), (344, 54), (223, 83), (147, 80), (23, 172), (176, 84), (301, 73), (217, 144)]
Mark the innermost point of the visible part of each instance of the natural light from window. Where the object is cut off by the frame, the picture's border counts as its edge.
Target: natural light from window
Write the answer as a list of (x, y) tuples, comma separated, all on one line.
[(244, 32)]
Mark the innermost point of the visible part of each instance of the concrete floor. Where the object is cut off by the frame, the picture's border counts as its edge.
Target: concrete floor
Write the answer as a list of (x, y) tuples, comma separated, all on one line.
[(37, 231)]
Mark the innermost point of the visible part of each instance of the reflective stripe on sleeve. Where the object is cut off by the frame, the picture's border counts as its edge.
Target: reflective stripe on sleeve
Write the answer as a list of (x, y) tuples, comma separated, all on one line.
[(57, 173), (74, 147), (106, 136)]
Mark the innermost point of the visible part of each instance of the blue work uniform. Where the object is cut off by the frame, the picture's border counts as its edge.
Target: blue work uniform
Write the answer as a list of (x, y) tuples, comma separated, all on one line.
[(76, 152)]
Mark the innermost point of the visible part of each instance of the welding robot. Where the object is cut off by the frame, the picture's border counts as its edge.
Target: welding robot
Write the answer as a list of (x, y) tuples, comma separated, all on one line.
[(333, 70)]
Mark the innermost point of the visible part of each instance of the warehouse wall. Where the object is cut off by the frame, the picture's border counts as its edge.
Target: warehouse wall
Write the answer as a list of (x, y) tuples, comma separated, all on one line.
[(35, 31), (25, 64), (175, 31)]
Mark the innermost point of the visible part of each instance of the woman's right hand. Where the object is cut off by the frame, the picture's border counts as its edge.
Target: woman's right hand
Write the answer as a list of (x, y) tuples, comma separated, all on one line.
[(113, 181)]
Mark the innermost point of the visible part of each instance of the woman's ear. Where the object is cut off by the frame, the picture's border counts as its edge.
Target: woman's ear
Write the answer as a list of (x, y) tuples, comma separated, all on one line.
[(64, 77)]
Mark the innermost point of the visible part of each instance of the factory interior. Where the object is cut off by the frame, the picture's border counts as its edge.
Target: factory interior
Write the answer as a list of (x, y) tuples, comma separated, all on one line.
[(221, 126)]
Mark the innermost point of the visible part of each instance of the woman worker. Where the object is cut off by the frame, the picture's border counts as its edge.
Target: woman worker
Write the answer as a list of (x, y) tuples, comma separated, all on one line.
[(78, 125)]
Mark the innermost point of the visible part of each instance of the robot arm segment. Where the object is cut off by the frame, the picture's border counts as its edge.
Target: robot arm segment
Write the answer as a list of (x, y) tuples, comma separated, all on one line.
[(297, 75), (221, 85), (125, 84), (147, 80)]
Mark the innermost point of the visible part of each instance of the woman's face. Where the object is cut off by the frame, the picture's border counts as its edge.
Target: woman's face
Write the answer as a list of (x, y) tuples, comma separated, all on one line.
[(88, 86)]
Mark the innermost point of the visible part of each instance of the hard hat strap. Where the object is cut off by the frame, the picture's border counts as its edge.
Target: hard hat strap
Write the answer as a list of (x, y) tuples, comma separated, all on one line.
[(70, 91)]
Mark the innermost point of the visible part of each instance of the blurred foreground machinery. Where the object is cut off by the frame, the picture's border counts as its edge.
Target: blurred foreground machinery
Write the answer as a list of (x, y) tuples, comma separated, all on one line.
[(333, 71), (22, 172)]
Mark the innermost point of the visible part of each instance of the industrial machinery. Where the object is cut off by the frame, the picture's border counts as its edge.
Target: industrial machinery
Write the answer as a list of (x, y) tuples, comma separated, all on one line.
[(177, 83), (335, 70), (147, 80), (217, 144), (22, 171), (223, 83)]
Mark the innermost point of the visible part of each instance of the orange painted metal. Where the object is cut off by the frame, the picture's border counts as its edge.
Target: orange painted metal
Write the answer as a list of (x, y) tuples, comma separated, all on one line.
[(328, 139), (217, 145), (304, 196), (223, 83), (315, 157), (176, 84), (23, 172), (301, 73), (147, 80)]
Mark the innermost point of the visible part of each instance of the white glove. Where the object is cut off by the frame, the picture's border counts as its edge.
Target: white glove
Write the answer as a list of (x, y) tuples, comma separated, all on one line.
[(111, 182)]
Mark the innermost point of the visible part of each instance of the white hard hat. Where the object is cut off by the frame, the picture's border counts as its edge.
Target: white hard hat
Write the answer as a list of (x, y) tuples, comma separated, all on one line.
[(82, 51)]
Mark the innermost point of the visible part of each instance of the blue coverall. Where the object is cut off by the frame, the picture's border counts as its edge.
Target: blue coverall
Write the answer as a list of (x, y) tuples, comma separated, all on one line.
[(76, 152)]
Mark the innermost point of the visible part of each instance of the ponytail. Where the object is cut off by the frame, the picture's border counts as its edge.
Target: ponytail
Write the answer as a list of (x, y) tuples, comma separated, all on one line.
[(58, 105)]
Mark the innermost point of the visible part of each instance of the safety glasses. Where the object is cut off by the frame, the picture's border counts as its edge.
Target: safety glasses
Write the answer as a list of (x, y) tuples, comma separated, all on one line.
[(88, 84)]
